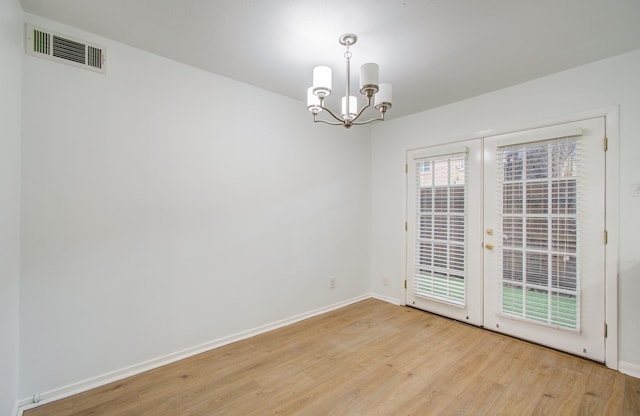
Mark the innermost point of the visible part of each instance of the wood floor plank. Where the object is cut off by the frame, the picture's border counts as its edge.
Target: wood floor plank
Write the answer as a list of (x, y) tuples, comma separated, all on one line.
[(370, 358), (562, 394), (604, 393), (476, 399), (631, 405)]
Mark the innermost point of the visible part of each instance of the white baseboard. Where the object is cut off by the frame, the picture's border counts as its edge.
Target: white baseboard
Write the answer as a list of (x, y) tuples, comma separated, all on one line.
[(91, 383), (387, 299), (101, 380), (629, 369)]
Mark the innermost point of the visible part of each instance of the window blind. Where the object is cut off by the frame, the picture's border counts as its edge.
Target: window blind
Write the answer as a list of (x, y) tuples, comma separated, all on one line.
[(538, 193), (440, 238)]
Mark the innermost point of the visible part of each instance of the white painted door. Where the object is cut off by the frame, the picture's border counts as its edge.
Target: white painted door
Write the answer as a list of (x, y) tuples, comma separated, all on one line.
[(544, 236), (444, 230), (507, 232)]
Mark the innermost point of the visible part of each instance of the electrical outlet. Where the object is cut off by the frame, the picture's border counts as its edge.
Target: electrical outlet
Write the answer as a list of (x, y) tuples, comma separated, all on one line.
[(385, 281), (635, 189), (332, 283)]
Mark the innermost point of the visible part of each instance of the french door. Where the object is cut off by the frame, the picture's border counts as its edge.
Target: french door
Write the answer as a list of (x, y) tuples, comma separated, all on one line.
[(444, 228), (516, 244), (544, 262)]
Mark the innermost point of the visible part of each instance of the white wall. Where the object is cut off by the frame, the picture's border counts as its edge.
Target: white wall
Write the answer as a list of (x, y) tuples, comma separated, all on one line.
[(165, 207), (613, 81), (10, 98)]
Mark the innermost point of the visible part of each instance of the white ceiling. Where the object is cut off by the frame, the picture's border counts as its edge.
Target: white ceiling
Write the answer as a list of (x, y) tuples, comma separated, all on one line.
[(434, 52)]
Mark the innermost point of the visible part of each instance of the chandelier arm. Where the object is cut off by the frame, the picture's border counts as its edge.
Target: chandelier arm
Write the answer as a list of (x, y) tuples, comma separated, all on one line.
[(381, 118), (332, 114), (317, 120), (371, 120), (361, 111)]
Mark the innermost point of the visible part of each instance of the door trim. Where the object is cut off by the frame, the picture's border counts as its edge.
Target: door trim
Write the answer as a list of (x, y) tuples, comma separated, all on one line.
[(612, 163)]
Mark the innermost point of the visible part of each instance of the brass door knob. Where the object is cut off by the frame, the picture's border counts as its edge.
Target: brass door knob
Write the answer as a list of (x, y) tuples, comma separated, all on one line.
[(488, 246)]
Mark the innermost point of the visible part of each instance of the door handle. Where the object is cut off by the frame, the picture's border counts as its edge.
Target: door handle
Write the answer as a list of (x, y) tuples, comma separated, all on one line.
[(488, 246)]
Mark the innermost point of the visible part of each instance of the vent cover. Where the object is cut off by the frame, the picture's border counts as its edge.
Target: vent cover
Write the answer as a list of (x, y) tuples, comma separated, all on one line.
[(57, 47)]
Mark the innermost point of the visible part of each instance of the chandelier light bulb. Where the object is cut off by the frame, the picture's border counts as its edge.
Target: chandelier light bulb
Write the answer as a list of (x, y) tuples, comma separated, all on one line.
[(322, 81), (383, 97), (369, 77), (353, 107), (313, 102)]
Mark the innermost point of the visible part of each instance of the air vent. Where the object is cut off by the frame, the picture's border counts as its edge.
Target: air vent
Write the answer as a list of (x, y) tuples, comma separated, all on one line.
[(41, 42), (94, 57), (61, 48)]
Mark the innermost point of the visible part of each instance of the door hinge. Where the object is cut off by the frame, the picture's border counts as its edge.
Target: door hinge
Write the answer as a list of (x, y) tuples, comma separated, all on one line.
[(606, 144), (606, 237), (405, 283), (406, 227), (606, 330), (406, 168)]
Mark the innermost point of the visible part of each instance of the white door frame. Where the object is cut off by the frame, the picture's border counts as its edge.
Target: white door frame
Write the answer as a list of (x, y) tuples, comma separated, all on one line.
[(611, 115)]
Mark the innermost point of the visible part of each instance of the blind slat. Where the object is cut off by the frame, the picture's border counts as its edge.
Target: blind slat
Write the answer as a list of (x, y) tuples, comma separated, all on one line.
[(441, 201), (538, 193)]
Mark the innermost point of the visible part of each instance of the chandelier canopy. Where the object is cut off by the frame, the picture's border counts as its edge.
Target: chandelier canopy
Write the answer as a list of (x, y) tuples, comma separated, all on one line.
[(369, 87)]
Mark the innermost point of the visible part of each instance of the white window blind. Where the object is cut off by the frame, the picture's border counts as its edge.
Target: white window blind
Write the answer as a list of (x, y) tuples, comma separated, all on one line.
[(538, 193), (440, 238)]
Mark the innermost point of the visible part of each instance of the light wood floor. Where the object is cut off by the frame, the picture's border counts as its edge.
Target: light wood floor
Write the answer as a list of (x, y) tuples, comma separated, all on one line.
[(370, 358)]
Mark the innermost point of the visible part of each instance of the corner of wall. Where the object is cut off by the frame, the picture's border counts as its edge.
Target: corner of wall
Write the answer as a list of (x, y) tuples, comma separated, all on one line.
[(11, 47)]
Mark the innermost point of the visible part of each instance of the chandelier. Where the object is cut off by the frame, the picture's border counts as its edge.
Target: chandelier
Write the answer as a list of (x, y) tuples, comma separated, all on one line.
[(369, 87)]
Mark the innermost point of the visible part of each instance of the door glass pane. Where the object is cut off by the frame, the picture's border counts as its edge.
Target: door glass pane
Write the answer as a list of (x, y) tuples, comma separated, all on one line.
[(441, 201), (538, 211)]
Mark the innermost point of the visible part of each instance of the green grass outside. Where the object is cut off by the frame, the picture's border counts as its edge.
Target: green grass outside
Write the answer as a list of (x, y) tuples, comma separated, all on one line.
[(451, 289), (563, 311)]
